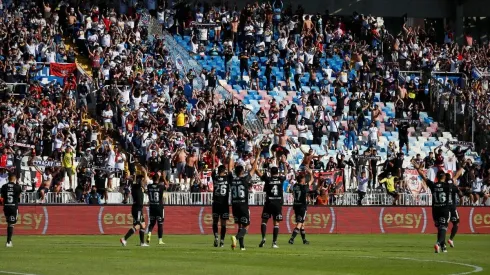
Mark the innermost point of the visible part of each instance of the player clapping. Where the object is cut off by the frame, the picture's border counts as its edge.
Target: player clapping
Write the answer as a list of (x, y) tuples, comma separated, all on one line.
[(300, 204), (157, 213), (273, 203), (239, 187), (137, 191), (221, 207)]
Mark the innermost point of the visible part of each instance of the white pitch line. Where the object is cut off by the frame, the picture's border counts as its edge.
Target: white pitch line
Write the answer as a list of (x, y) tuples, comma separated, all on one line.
[(476, 268), (15, 273)]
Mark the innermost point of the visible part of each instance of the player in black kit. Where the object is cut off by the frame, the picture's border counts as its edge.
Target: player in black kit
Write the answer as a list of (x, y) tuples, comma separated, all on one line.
[(274, 200), (221, 207), (157, 213), (441, 202), (137, 192), (454, 212), (239, 188), (300, 193), (10, 194)]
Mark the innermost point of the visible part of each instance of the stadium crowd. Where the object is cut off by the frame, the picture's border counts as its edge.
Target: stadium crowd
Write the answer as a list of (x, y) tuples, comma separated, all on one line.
[(151, 113)]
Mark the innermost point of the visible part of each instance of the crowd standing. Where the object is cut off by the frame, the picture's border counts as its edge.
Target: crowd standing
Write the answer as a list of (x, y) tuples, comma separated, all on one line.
[(147, 116)]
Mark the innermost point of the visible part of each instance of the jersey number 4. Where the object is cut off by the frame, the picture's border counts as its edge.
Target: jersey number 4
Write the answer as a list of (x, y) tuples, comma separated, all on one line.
[(275, 190), (238, 192)]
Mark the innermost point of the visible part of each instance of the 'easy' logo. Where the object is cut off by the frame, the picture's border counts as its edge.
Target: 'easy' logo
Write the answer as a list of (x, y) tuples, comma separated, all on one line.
[(402, 220), (479, 220), (30, 220)]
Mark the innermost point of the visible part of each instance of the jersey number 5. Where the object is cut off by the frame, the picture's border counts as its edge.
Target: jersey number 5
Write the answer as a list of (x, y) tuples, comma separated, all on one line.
[(10, 197)]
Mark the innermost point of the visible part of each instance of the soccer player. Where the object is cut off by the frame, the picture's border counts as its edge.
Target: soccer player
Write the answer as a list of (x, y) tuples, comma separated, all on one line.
[(157, 213), (10, 194), (455, 192), (300, 193), (221, 207), (239, 188), (441, 197), (137, 192), (273, 203)]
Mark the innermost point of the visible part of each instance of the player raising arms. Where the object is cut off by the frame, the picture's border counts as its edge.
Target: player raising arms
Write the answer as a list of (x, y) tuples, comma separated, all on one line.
[(300, 193), (10, 194), (441, 201), (455, 192), (274, 200), (221, 207), (239, 187), (157, 214), (137, 192)]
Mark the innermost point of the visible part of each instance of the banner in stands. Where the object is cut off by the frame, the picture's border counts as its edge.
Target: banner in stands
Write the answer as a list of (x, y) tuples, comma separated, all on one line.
[(46, 163), (95, 220), (456, 78), (414, 181), (334, 177), (62, 69), (416, 76)]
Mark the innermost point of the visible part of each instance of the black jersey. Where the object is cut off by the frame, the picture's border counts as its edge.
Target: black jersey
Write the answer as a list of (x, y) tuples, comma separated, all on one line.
[(137, 192), (441, 193), (221, 188), (273, 188), (454, 194), (300, 193), (155, 194), (11, 194), (239, 187)]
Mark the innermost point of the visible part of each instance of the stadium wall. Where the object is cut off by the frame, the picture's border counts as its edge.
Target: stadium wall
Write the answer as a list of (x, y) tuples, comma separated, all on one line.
[(95, 220)]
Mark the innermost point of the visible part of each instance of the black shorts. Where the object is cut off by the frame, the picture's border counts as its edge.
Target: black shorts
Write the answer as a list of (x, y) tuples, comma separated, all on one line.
[(272, 210), (157, 213), (241, 214), (299, 213), (333, 136), (137, 213), (441, 216), (454, 215), (402, 141), (189, 171), (11, 214), (221, 210)]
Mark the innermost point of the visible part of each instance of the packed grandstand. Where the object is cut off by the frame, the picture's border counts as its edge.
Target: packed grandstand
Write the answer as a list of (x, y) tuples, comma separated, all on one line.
[(91, 94)]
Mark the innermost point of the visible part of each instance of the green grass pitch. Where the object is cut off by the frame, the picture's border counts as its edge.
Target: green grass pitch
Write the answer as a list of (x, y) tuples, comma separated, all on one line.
[(327, 254)]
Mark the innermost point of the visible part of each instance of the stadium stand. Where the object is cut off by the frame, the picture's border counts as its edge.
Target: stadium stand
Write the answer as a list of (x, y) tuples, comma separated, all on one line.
[(162, 94)]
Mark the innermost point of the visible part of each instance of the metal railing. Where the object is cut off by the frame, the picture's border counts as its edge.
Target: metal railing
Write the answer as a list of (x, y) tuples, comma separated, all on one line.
[(258, 198)]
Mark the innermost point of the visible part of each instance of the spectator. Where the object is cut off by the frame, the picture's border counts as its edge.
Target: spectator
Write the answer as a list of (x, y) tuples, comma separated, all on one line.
[(93, 197)]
